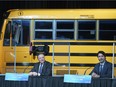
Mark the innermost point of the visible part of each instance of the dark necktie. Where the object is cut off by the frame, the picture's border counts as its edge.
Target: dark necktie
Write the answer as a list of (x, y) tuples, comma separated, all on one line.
[(100, 69), (40, 68)]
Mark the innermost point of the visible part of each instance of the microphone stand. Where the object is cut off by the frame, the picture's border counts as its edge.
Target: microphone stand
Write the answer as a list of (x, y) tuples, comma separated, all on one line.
[(26, 68), (86, 70)]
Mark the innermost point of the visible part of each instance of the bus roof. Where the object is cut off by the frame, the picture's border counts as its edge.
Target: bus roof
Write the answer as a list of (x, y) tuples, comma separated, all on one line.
[(62, 14)]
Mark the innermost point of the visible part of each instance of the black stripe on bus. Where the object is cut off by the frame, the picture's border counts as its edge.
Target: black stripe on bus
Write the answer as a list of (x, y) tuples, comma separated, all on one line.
[(73, 43), (77, 54), (59, 64)]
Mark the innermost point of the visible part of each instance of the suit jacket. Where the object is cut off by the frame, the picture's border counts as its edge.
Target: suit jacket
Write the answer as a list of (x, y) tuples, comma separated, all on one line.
[(106, 71), (46, 70)]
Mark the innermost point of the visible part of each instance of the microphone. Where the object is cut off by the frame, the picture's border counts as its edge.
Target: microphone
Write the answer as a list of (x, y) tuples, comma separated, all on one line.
[(86, 70)]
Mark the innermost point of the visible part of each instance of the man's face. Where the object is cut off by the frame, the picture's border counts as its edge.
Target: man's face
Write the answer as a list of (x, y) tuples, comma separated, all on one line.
[(41, 58), (101, 57)]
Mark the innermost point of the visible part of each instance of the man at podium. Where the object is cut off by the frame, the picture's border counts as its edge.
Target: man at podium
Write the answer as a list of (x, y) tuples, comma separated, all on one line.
[(104, 68), (42, 68)]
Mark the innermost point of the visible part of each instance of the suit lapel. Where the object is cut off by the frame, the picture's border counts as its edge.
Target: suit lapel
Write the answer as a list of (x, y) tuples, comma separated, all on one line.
[(104, 68), (98, 68)]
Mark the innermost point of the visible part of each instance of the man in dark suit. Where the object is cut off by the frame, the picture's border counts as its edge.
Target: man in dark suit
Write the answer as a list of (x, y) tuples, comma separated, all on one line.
[(104, 68), (42, 68)]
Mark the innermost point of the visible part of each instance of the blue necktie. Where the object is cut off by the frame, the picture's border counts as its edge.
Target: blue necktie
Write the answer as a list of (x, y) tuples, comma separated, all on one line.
[(100, 69), (40, 68)]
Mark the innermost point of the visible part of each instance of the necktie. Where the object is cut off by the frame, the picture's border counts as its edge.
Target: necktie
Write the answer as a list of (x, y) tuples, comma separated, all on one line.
[(40, 68), (100, 69)]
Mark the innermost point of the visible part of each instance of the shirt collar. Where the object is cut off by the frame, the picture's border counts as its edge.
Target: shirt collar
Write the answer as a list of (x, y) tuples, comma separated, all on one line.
[(102, 63)]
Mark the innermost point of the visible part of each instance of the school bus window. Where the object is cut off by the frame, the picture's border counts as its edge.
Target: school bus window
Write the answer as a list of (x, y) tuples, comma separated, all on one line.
[(7, 35), (43, 35), (65, 35), (19, 31), (15, 32), (65, 25), (107, 30), (64, 29), (43, 29), (23, 31), (43, 25), (86, 30), (26, 33)]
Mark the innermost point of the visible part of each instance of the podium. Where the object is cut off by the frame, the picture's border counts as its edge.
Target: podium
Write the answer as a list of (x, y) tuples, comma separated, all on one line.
[(16, 76), (68, 78)]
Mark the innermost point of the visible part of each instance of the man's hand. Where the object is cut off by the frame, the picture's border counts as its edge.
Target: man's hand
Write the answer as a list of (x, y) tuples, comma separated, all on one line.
[(38, 74), (33, 74), (94, 75)]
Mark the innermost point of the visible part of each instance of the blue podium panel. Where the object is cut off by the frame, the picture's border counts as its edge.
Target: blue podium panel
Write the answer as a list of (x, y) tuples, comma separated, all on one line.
[(68, 78), (16, 76)]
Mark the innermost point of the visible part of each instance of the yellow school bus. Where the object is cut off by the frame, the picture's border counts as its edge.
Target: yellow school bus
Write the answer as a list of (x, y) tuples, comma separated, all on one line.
[(74, 37)]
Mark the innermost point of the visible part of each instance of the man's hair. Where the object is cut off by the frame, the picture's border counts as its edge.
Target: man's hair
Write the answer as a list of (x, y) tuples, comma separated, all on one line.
[(40, 54), (102, 52)]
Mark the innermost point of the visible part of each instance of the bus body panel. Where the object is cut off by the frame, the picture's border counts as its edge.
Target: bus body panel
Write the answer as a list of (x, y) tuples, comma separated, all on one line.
[(64, 14), (81, 54)]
